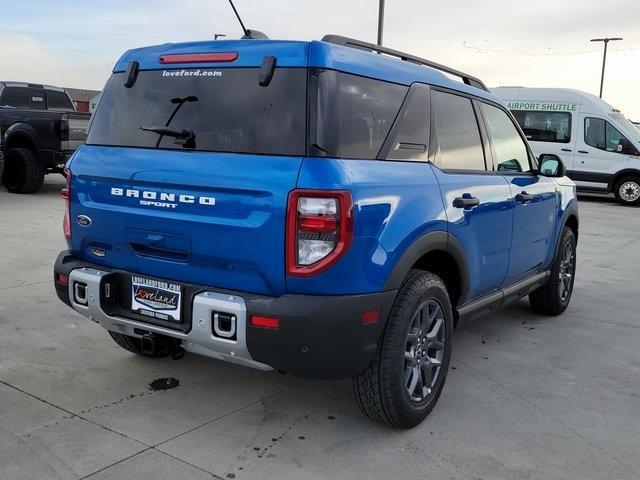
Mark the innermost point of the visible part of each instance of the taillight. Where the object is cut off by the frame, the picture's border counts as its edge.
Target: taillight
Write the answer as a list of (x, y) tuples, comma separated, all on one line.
[(199, 58), (65, 193), (319, 229)]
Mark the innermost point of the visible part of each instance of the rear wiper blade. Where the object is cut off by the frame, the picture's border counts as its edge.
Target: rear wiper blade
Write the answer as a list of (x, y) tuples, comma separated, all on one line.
[(169, 132), (183, 137)]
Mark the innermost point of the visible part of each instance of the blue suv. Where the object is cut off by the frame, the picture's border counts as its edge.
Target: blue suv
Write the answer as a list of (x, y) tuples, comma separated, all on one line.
[(328, 208)]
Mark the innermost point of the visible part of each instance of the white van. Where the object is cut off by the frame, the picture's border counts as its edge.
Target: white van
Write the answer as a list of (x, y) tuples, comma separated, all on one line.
[(598, 145)]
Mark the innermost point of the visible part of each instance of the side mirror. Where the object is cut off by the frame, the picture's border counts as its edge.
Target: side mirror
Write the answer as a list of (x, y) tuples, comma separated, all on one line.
[(551, 165)]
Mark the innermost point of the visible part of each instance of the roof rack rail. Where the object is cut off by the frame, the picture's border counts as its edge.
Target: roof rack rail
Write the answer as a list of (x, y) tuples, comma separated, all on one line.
[(370, 47)]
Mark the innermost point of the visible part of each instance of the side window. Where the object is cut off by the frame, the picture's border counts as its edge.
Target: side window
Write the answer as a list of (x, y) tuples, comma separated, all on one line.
[(615, 139), (602, 135), (457, 135), (594, 132), (409, 136), (37, 100), (16, 97), (59, 101), (510, 150), (545, 126)]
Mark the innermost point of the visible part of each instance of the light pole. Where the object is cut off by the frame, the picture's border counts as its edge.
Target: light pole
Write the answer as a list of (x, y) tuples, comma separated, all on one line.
[(380, 21), (604, 57)]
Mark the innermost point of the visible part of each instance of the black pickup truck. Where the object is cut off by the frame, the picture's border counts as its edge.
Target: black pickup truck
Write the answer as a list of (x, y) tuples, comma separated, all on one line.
[(39, 130)]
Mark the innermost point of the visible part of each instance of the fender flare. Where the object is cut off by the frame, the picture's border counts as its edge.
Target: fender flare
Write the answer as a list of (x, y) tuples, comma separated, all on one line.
[(570, 211), (25, 129), (427, 243)]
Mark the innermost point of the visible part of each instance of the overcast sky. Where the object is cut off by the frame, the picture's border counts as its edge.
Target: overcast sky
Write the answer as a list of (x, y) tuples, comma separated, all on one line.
[(75, 43)]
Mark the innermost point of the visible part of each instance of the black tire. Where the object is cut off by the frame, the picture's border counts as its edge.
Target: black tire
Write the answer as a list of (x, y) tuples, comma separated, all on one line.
[(22, 171), (382, 390), (554, 296), (627, 191)]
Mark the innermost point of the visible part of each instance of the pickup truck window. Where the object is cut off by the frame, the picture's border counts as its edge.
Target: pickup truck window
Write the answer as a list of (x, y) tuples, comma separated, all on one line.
[(458, 138), (545, 126), (37, 99), (59, 101), (226, 109), (15, 97), (509, 148)]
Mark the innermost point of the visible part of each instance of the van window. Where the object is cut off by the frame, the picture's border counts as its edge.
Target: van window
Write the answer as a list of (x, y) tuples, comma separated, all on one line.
[(351, 115), (226, 109), (457, 135), (510, 151), (16, 97), (59, 101), (545, 126), (602, 135)]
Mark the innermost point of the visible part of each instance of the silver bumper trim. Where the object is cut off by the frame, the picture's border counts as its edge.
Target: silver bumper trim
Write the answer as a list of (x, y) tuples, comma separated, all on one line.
[(199, 339)]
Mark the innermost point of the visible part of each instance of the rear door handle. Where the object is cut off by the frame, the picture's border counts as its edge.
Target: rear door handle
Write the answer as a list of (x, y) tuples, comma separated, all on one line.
[(582, 151), (466, 201), (565, 149), (524, 197)]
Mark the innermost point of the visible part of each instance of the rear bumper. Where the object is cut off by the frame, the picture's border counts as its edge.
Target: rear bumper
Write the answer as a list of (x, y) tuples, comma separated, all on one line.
[(318, 336)]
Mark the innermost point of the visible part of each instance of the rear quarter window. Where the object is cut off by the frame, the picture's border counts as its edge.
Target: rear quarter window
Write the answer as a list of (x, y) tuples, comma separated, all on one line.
[(351, 116)]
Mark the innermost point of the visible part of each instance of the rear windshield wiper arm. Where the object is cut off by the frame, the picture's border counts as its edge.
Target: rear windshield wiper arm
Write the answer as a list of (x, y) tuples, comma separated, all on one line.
[(184, 136)]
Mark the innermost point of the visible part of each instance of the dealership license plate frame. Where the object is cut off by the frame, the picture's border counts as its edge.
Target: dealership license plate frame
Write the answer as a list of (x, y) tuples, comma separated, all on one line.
[(156, 298)]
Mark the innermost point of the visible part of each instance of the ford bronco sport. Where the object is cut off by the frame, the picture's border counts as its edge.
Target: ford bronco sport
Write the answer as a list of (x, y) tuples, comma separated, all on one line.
[(328, 208)]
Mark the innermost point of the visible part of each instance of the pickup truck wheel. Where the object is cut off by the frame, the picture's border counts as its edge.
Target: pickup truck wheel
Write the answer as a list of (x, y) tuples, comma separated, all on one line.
[(554, 296), (404, 380), (627, 191), (22, 171)]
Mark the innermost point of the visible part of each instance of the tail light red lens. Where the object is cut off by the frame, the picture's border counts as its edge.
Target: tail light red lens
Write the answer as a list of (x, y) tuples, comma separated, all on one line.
[(319, 229), (65, 193), (199, 58)]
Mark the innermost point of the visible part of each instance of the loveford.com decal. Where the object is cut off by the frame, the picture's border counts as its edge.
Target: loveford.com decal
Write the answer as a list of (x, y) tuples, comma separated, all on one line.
[(191, 73)]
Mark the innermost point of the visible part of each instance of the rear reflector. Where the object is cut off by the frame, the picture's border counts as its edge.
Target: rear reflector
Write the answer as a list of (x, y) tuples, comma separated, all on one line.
[(264, 322), (370, 316), (199, 58), (62, 279)]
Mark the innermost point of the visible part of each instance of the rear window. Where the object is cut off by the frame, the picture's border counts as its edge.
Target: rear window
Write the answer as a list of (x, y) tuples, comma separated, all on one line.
[(59, 101), (226, 109), (16, 97), (545, 126)]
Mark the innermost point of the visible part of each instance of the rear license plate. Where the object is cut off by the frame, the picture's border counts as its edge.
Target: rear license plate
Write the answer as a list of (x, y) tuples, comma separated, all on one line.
[(156, 298)]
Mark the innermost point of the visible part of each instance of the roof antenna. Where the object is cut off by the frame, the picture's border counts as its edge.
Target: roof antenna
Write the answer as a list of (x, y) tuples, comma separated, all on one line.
[(248, 34)]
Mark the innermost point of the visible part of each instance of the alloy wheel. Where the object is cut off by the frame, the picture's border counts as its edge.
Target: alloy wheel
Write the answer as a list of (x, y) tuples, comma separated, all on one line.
[(567, 270), (424, 351)]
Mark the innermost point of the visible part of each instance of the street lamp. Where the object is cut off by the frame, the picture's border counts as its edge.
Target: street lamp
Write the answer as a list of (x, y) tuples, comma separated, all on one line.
[(604, 58)]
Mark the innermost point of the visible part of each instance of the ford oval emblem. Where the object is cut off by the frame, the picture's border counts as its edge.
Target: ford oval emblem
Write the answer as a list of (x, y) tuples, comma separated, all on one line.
[(83, 220)]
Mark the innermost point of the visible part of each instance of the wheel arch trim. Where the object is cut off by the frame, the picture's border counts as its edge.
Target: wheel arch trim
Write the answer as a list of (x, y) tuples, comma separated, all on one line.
[(438, 241)]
